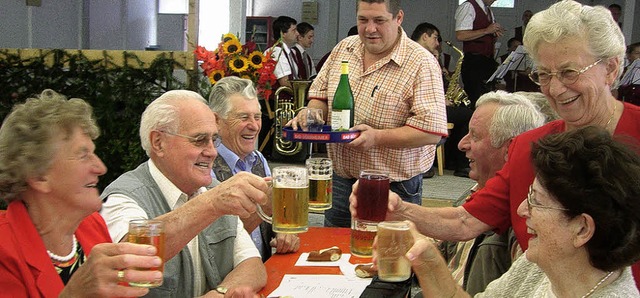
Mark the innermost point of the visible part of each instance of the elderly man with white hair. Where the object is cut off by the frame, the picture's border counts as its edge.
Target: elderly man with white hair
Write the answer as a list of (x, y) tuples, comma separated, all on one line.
[(207, 249)]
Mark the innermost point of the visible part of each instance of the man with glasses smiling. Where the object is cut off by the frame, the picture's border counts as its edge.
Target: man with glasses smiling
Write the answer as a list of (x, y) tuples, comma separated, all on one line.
[(208, 250)]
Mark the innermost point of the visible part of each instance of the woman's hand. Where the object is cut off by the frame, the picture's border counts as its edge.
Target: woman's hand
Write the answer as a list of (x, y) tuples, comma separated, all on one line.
[(110, 267)]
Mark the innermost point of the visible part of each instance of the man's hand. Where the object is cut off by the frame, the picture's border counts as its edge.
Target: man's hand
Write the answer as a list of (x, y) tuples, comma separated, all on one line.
[(239, 292), (299, 120), (394, 208), (495, 29), (368, 137), (239, 195), (285, 243)]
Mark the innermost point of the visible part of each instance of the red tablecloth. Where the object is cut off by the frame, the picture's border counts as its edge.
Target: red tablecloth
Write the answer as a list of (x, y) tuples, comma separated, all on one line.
[(316, 238)]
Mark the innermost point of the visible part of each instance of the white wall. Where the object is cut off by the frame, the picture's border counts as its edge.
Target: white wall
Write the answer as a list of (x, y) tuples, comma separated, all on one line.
[(24, 26)]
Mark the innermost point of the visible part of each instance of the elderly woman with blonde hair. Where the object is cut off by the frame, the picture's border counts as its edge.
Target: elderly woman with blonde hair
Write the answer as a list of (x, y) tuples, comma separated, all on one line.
[(55, 244)]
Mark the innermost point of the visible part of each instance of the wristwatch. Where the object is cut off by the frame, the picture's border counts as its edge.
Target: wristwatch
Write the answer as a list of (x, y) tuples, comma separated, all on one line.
[(222, 290)]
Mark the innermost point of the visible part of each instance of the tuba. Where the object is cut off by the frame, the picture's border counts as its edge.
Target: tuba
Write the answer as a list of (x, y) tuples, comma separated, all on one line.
[(456, 95), (285, 111)]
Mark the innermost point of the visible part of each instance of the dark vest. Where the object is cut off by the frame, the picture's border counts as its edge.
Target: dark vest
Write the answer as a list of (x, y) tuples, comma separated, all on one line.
[(223, 172), (482, 45)]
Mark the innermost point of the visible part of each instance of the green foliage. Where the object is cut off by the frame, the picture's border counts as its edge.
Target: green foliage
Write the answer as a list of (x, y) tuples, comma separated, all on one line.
[(118, 94)]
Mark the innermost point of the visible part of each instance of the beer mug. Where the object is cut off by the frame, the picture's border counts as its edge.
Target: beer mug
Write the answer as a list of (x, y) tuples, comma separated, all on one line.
[(151, 232), (320, 171), (394, 241), (373, 198), (290, 200)]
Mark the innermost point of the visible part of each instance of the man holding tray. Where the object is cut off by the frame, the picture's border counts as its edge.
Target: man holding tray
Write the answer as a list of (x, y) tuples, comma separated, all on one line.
[(399, 106)]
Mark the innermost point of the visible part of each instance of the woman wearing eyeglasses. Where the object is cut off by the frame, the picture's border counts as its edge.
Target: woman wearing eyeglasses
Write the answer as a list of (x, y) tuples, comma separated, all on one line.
[(583, 213), (578, 51)]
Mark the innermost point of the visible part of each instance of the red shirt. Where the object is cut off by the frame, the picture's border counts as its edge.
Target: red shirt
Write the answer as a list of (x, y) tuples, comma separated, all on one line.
[(25, 267), (497, 203)]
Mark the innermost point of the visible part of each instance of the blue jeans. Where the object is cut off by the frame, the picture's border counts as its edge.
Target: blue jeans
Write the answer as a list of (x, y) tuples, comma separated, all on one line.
[(339, 215)]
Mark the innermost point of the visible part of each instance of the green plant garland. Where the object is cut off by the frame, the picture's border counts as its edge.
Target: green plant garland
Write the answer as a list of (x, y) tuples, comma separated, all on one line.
[(118, 94)]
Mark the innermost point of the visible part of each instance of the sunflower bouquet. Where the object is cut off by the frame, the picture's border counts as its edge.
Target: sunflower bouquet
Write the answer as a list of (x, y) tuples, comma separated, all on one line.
[(231, 58)]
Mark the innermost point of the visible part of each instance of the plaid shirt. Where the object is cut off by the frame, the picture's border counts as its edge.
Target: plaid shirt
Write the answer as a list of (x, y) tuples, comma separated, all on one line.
[(402, 89)]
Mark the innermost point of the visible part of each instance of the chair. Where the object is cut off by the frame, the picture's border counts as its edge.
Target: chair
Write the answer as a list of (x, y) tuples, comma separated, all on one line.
[(440, 152)]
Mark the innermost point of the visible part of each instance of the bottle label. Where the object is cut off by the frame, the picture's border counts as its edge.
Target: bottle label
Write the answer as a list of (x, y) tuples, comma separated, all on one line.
[(340, 120)]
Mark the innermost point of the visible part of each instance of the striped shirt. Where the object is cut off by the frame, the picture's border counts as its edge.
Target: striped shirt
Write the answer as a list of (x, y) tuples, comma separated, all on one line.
[(401, 89)]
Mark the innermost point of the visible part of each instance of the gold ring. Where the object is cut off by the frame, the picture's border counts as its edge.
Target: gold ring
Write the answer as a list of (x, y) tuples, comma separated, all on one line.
[(121, 275)]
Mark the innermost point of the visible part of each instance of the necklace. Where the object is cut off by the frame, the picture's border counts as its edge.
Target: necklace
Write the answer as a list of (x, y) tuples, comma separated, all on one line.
[(66, 258), (597, 285), (615, 106)]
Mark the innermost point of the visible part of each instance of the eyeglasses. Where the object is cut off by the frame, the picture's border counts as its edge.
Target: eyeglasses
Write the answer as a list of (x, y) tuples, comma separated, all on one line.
[(566, 76), (531, 203), (200, 141)]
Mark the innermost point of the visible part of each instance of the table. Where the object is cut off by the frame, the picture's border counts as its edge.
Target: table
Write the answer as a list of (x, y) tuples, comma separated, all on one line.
[(316, 238)]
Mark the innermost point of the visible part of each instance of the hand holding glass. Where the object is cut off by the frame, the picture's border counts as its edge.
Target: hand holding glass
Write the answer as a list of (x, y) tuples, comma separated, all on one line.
[(290, 200), (373, 198), (147, 231), (314, 120), (393, 243)]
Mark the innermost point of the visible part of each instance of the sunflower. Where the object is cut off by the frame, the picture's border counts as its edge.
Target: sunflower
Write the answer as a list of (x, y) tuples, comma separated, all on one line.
[(255, 59), (231, 47), (228, 37), (239, 64), (246, 76), (216, 75)]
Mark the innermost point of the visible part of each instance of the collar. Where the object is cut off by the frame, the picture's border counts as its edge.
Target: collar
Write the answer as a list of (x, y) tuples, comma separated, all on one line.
[(33, 249), (170, 192), (234, 160), (481, 3), (285, 47), (300, 48)]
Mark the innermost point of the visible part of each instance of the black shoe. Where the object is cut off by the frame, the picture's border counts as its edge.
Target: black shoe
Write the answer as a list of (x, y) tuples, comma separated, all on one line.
[(429, 174), (464, 172)]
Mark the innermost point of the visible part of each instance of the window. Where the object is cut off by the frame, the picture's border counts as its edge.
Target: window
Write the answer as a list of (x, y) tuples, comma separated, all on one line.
[(214, 22)]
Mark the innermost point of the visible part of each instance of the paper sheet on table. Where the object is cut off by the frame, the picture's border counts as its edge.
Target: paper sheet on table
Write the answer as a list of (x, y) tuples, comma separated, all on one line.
[(320, 286), (302, 261)]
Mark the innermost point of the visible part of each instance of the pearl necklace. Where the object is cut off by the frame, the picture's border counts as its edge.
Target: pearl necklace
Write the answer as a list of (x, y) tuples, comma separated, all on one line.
[(67, 258), (597, 285)]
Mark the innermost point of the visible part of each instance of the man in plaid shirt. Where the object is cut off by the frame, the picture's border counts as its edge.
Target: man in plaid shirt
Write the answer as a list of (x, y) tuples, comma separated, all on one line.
[(399, 106)]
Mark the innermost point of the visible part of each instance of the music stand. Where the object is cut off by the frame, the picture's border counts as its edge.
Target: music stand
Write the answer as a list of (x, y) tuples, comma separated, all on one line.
[(632, 75), (513, 62)]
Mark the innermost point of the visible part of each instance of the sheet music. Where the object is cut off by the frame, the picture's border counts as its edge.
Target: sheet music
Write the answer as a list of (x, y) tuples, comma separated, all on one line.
[(517, 60), (632, 76)]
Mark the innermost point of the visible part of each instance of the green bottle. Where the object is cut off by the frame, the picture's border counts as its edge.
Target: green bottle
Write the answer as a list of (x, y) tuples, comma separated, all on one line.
[(342, 107)]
